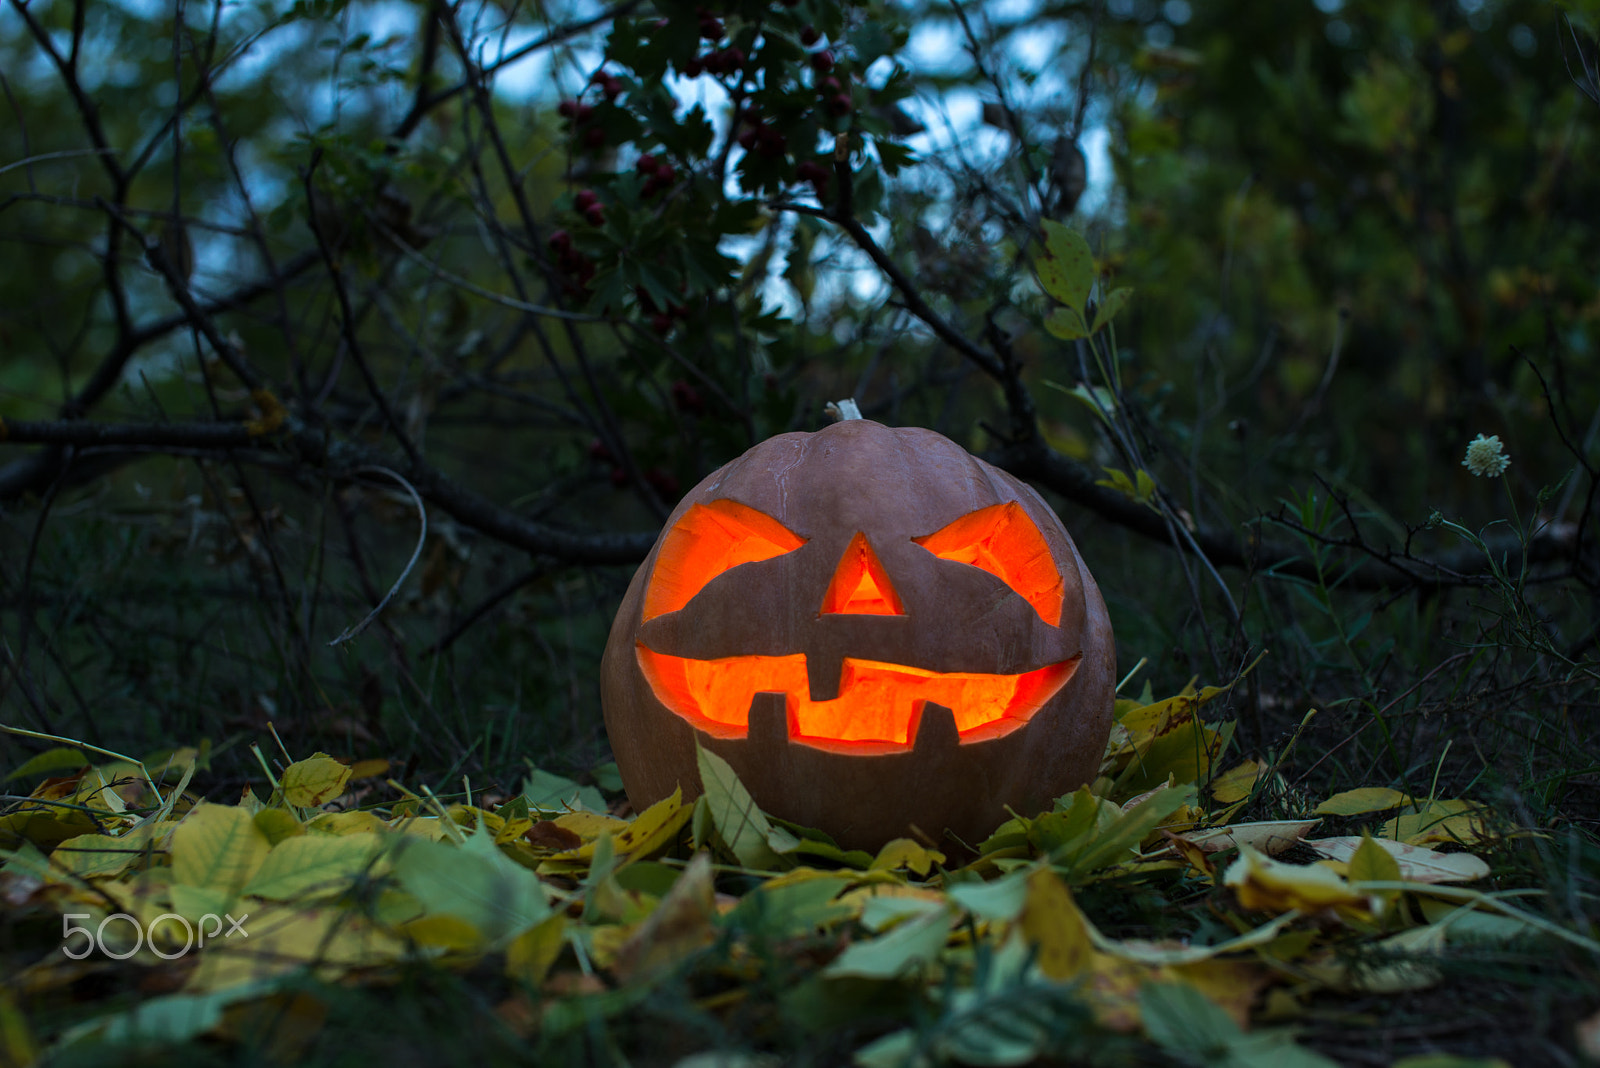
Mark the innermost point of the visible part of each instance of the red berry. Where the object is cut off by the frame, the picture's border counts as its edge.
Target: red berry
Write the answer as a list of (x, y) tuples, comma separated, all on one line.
[(598, 450), (693, 68), (561, 241), (747, 139), (665, 174), (596, 215), (661, 323), (822, 61), (687, 398), (662, 481), (619, 477), (711, 29), (809, 35), (594, 137), (584, 198), (584, 112), (567, 108), (677, 311), (733, 59), (646, 164), (828, 86), (839, 104)]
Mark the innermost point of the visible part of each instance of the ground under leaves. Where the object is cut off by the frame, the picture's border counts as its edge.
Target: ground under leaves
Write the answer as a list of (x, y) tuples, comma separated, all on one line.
[(1140, 921)]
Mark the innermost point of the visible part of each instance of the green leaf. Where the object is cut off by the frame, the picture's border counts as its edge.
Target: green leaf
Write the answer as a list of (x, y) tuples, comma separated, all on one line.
[(914, 941), (739, 821), (1109, 307), (474, 882), (58, 759), (1065, 267), (1181, 1020), (1118, 839), (550, 792), (1066, 324), (316, 865)]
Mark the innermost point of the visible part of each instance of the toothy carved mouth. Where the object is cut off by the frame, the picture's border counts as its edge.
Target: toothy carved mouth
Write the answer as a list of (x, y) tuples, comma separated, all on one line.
[(878, 703)]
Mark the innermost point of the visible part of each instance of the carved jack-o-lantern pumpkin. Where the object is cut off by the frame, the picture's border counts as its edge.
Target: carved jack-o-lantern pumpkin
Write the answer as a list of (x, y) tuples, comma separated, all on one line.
[(880, 633)]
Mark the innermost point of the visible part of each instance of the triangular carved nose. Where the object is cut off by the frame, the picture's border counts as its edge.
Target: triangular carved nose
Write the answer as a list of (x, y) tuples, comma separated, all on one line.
[(860, 586)]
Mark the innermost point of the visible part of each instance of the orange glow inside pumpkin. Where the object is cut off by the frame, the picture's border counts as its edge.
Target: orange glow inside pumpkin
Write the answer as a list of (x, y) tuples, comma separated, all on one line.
[(1003, 541), (877, 703), (708, 540), (860, 586)]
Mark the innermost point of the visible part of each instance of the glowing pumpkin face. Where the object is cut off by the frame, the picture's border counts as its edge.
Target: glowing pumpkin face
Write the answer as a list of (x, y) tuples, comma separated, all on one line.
[(878, 631)]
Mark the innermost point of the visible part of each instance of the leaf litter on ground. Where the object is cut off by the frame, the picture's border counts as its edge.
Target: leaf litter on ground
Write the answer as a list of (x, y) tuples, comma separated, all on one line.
[(574, 904)]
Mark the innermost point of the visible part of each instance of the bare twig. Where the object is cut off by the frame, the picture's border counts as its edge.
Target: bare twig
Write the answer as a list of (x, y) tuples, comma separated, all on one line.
[(416, 554)]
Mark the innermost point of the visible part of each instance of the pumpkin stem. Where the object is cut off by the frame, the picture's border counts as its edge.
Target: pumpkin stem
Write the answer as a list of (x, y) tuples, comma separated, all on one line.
[(842, 410)]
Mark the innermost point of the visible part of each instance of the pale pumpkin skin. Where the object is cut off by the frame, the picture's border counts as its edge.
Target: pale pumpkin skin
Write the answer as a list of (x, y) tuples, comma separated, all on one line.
[(893, 484)]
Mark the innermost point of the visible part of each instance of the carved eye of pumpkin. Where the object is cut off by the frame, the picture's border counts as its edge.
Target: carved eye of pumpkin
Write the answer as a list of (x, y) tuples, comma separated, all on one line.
[(708, 540), (1002, 540)]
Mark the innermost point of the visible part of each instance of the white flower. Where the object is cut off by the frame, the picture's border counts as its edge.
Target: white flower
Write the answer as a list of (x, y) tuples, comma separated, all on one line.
[(1486, 456)]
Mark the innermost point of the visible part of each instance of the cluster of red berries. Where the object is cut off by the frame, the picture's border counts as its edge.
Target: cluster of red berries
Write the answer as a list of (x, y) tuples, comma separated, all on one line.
[(810, 170), (660, 321), (687, 399), (761, 138), (834, 97), (574, 264), (717, 61), (579, 115), (657, 173), (660, 479), (587, 203)]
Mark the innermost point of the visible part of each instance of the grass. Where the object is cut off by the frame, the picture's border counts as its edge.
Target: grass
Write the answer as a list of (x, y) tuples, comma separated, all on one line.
[(154, 626)]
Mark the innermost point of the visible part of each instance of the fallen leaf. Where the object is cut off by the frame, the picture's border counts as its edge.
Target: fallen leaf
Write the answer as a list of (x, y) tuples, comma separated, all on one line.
[(1269, 836), (1052, 922), (1455, 820), (1270, 885), (1364, 799), (905, 853), (547, 834), (1236, 783), (1418, 864), (314, 781), (680, 925)]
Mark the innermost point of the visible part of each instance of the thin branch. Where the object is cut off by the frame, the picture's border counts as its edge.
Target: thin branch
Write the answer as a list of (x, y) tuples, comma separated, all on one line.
[(416, 554)]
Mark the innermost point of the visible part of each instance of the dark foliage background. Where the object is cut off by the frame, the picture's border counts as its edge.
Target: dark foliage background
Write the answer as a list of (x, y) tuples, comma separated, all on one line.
[(267, 266)]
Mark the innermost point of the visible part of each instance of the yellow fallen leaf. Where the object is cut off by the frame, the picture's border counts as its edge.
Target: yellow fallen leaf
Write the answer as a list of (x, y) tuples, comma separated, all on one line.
[(681, 924), (1364, 799), (1051, 921), (443, 932), (314, 781), (905, 853), (1236, 783), (1272, 886), (1417, 864), (531, 953), (1463, 822), (217, 847)]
